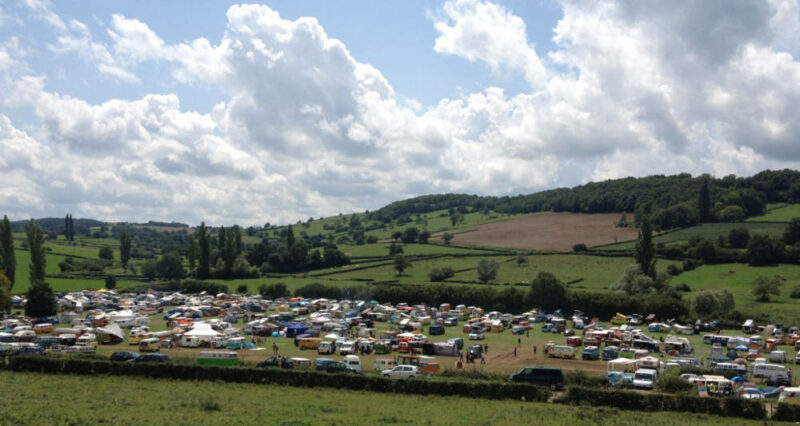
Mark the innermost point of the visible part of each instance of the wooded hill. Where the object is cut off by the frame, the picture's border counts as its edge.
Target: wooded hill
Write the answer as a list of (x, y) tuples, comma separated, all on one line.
[(672, 201)]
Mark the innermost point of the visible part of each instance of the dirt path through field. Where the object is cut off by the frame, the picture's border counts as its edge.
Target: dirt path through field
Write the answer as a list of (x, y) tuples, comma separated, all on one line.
[(546, 231)]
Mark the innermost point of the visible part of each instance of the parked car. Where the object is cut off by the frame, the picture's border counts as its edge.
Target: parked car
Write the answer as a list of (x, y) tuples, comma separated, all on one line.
[(451, 321), (751, 393), (402, 372), (276, 361), (475, 350), (591, 353), (544, 376), (477, 335), (436, 330), (124, 356), (152, 358), (645, 378), (330, 365)]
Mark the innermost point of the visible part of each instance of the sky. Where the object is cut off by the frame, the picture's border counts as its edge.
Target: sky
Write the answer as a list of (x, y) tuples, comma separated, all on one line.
[(276, 112)]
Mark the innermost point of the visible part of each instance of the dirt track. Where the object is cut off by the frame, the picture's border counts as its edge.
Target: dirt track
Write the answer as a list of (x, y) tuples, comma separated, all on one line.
[(547, 231)]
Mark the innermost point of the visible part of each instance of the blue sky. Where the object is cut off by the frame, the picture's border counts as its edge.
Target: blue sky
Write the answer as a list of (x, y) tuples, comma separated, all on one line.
[(248, 113)]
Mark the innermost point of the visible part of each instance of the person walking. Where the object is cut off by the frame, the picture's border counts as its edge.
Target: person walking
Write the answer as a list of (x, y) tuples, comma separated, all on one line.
[(534, 349), (519, 342), (515, 352), (527, 332), (483, 359), (486, 348)]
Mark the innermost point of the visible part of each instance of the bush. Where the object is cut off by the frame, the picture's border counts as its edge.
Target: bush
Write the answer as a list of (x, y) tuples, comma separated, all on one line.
[(730, 407), (440, 274), (683, 287), (691, 264), (580, 247), (580, 378), (671, 381), (795, 293), (106, 253), (674, 270), (111, 282), (241, 289)]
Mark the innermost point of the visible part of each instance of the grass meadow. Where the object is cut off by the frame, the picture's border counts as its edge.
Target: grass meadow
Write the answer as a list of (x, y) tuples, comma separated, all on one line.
[(707, 230), (784, 213), (38, 399)]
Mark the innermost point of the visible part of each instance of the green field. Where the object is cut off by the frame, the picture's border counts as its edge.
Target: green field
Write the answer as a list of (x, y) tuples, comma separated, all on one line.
[(595, 272), (738, 278), (707, 230), (23, 280), (39, 399), (785, 213)]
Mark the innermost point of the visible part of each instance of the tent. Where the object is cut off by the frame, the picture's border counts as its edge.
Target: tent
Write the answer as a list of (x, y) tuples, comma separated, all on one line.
[(295, 329)]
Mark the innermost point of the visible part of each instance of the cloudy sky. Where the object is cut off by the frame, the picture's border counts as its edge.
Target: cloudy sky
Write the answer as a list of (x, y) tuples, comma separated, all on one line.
[(242, 113)]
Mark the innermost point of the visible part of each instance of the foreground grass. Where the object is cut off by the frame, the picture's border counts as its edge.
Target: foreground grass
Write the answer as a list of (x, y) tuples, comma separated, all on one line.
[(32, 398)]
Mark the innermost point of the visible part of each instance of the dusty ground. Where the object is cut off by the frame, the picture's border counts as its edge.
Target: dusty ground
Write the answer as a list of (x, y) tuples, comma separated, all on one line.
[(546, 231)]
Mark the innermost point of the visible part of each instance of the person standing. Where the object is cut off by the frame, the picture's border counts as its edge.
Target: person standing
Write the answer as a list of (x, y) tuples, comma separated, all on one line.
[(486, 348), (515, 352)]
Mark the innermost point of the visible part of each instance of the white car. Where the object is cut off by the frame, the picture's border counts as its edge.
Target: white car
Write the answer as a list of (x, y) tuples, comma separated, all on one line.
[(402, 372), (752, 393), (477, 336)]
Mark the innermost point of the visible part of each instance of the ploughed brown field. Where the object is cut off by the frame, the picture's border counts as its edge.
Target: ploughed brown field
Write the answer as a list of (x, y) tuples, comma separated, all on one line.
[(547, 231)]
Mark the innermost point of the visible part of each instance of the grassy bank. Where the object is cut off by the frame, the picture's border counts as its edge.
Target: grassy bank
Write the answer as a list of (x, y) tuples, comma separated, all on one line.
[(38, 399)]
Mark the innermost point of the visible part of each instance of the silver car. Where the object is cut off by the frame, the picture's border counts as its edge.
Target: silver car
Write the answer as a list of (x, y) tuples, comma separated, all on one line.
[(402, 372)]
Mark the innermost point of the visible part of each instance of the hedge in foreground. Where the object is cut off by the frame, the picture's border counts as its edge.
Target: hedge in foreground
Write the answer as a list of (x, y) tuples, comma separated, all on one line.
[(787, 413), (731, 407), (488, 390)]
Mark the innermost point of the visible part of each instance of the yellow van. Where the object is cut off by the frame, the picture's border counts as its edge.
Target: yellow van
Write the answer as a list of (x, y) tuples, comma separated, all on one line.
[(309, 343), (150, 345)]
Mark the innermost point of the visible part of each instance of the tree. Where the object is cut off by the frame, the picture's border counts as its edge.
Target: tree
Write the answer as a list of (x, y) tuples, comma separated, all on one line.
[(424, 236), (764, 250), (521, 259), (106, 253), (547, 292), (242, 289), (191, 252), (447, 237), (487, 270), (410, 235), (290, 237), (634, 281), (124, 247), (149, 269), (111, 282), (36, 247), (41, 300), (401, 264), (8, 260), (738, 237), (704, 202), (763, 287), (792, 233), (709, 303), (204, 252), (440, 274), (5, 293), (170, 266), (272, 291), (645, 251), (241, 267), (395, 248), (396, 235)]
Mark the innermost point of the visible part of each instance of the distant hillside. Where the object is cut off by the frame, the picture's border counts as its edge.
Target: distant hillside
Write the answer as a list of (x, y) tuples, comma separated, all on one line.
[(672, 201)]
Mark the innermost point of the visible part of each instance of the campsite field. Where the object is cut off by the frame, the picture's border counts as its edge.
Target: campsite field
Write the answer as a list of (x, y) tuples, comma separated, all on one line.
[(132, 400), (710, 231), (784, 213), (547, 231)]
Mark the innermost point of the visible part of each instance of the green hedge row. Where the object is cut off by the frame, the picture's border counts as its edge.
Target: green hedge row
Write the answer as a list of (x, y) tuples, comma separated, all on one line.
[(787, 413), (731, 407), (488, 390)]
